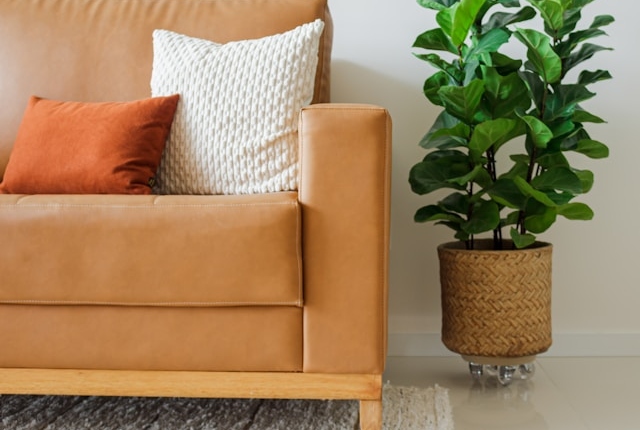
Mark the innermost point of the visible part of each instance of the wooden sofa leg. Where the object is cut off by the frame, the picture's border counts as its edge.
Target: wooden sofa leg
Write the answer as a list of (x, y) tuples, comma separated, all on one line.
[(370, 414)]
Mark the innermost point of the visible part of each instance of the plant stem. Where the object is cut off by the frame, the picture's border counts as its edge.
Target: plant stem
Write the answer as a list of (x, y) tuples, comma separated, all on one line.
[(497, 238), (491, 168), (532, 159), (491, 163), (532, 164), (470, 243)]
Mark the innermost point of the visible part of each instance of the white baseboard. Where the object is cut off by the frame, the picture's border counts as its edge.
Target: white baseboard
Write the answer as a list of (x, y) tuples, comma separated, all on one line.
[(564, 345)]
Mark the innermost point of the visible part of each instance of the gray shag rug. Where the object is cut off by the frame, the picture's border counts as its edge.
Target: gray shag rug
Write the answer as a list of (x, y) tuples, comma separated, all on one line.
[(405, 408)]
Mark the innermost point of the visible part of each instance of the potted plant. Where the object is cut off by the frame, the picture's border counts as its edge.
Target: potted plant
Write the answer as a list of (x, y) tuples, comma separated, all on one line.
[(500, 157)]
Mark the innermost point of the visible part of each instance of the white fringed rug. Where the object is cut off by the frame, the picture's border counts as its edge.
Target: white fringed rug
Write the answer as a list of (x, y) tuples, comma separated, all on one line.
[(405, 408)]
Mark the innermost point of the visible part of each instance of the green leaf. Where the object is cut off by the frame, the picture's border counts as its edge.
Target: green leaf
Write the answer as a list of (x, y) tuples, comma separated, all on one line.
[(586, 51), (456, 202), (504, 95), (575, 211), (485, 217), (456, 21), (541, 55), (601, 21), (570, 142), (444, 120), (477, 172), (511, 218), (564, 100), (580, 116), (571, 19), (564, 48), (503, 64), (560, 179), (586, 179), (437, 4), (463, 102), (540, 222), (488, 42), (552, 159), (448, 157), (522, 240), (507, 193), (462, 236), (470, 69), (537, 88), (440, 64), (560, 198), (520, 167), (587, 77), (433, 84), (482, 178), (445, 18), (580, 3), (447, 138), (428, 177), (446, 132), (551, 12), (520, 158), (433, 174), (436, 213), (435, 40), (538, 130), (502, 19), (592, 149), (529, 191), (509, 3), (492, 133), (561, 127)]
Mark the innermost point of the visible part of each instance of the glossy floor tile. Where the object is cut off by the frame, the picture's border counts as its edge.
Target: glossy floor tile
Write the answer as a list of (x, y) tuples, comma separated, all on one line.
[(604, 391), (564, 393)]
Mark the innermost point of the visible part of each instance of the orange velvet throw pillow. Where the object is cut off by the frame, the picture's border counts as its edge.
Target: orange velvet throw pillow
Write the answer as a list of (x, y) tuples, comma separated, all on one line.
[(89, 148)]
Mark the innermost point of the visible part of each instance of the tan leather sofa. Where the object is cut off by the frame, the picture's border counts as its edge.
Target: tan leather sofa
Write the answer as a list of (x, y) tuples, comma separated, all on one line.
[(280, 295)]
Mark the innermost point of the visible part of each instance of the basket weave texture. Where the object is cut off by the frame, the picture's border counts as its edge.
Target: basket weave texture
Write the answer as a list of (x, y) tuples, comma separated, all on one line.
[(496, 303)]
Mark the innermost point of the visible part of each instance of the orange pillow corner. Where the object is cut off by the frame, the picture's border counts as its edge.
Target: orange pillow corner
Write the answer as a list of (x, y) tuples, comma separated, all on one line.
[(66, 147)]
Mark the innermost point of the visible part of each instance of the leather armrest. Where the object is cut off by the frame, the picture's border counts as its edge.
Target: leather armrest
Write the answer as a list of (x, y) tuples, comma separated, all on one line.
[(344, 191)]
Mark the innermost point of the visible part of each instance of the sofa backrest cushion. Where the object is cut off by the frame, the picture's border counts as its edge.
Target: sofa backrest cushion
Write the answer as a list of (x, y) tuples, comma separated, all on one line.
[(101, 50)]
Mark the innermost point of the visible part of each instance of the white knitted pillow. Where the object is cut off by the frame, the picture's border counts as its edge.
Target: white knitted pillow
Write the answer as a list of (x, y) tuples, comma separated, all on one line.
[(235, 129)]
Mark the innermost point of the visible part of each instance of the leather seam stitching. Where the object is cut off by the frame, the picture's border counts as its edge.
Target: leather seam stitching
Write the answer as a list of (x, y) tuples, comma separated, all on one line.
[(149, 304), (153, 206)]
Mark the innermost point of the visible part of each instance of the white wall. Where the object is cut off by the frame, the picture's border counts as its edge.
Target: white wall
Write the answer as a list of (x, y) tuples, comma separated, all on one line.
[(596, 266)]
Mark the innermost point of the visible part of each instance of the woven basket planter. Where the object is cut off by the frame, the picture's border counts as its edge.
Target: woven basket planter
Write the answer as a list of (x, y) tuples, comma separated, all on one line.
[(496, 303)]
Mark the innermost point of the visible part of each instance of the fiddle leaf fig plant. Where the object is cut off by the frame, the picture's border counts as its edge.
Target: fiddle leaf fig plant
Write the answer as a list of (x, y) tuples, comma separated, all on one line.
[(524, 111)]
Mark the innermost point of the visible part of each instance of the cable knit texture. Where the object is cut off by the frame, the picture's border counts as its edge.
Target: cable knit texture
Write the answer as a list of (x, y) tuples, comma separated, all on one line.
[(235, 129)]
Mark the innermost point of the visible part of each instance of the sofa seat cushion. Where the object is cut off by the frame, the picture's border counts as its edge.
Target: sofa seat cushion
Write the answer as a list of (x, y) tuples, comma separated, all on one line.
[(128, 250)]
